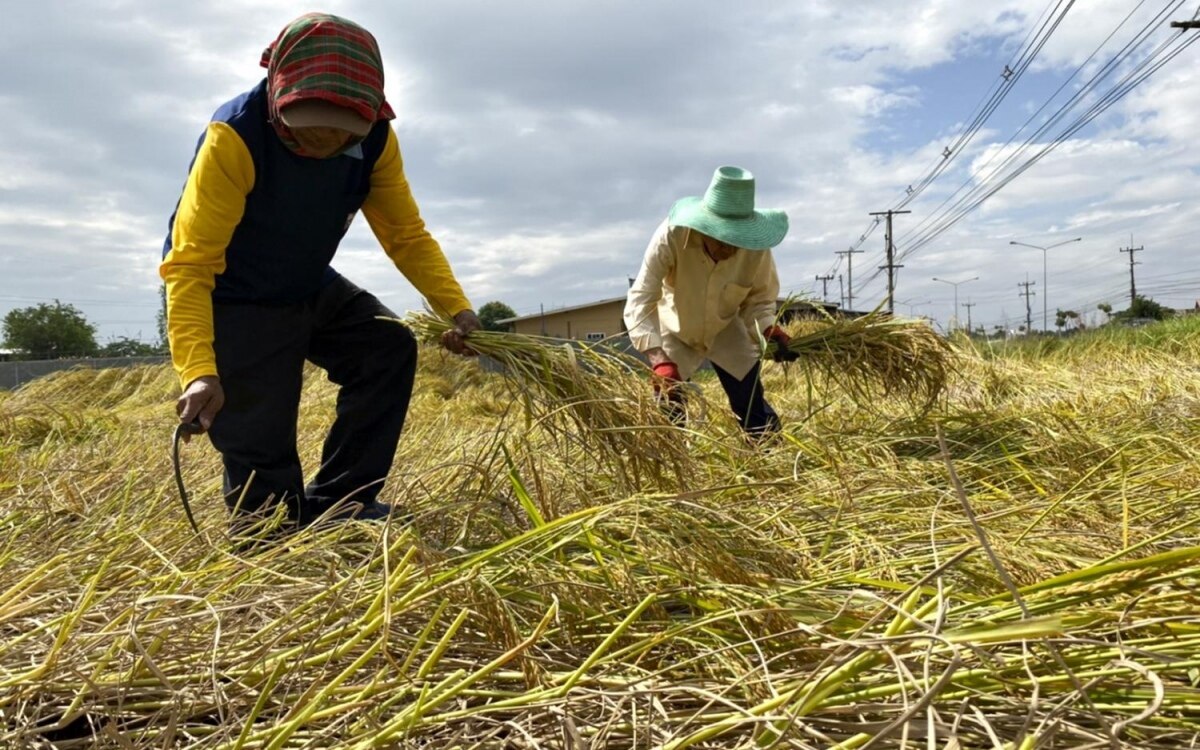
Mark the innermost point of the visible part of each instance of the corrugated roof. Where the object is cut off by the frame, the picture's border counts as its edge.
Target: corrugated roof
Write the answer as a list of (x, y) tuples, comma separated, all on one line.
[(558, 310)]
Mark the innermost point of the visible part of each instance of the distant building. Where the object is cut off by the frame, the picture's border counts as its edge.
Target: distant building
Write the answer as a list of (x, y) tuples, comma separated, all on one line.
[(599, 320), (590, 322)]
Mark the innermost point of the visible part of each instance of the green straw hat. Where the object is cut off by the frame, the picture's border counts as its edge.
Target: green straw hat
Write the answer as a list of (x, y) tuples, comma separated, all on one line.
[(726, 212)]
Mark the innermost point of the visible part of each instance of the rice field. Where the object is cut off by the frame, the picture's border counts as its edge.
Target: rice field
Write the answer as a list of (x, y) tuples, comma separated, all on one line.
[(1005, 557)]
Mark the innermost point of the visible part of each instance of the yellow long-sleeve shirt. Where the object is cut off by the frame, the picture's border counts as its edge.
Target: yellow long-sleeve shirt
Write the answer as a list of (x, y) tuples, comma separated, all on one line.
[(212, 207)]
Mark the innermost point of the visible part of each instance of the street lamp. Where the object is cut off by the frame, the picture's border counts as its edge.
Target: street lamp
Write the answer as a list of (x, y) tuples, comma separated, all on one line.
[(956, 283), (912, 305), (1045, 290)]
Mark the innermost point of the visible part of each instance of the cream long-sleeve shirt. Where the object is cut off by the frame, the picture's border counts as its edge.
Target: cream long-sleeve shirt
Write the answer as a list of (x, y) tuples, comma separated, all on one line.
[(694, 308)]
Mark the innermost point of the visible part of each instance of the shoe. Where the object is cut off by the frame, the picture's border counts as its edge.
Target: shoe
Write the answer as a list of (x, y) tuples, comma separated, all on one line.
[(377, 511), (372, 511)]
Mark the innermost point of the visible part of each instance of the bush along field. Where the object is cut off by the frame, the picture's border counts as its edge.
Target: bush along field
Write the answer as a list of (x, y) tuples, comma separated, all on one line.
[(952, 545)]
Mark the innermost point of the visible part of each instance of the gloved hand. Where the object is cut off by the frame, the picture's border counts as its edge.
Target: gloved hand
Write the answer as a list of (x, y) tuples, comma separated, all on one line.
[(783, 352), (667, 381), (668, 387)]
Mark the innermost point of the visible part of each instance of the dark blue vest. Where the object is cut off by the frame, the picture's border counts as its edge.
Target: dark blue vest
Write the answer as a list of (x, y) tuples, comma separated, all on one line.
[(296, 213)]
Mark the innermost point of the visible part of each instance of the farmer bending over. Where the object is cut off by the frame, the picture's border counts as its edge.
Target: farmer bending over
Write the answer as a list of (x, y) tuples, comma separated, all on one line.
[(707, 286), (277, 178)]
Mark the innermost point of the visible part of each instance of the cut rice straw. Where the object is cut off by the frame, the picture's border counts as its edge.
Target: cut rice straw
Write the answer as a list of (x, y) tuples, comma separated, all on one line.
[(586, 392), (875, 352)]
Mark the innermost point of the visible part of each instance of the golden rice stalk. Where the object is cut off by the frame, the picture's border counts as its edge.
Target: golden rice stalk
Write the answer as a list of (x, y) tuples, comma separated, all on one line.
[(875, 351), (602, 392)]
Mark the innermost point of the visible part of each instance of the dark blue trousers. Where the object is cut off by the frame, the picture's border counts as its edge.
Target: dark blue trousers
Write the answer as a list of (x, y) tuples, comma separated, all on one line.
[(261, 350), (746, 399)]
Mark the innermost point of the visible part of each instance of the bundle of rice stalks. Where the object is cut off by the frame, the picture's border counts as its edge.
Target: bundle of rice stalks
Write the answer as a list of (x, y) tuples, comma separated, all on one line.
[(597, 393), (872, 353)]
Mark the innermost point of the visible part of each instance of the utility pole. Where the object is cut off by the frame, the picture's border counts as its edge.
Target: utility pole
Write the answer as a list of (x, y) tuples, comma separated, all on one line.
[(891, 249), (824, 286), (849, 274), (842, 287), (1193, 24), (1045, 281), (969, 304), (1028, 310), (1132, 286), (954, 311)]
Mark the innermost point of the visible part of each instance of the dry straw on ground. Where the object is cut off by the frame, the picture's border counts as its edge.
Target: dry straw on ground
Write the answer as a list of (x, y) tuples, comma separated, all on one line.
[(827, 590)]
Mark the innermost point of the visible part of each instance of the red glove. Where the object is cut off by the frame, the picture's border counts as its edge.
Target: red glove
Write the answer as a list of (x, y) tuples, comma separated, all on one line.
[(667, 381), (783, 352), (668, 371), (668, 388)]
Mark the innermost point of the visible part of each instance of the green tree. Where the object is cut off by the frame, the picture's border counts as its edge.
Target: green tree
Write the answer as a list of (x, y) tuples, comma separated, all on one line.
[(49, 332), (1144, 307), (124, 346), (1067, 318), (1105, 308), (492, 312)]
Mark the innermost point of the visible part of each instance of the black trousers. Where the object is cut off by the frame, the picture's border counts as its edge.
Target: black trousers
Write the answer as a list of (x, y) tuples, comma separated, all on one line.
[(746, 399), (261, 350)]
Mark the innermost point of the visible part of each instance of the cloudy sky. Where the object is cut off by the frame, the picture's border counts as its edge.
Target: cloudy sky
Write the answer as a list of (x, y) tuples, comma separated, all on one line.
[(546, 140)]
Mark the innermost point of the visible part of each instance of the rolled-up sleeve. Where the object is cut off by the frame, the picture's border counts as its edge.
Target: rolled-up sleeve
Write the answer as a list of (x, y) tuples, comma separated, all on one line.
[(392, 212), (641, 302)]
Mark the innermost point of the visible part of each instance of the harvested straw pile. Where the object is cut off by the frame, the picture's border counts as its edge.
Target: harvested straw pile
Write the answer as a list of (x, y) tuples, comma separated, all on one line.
[(588, 393), (875, 354), (832, 592)]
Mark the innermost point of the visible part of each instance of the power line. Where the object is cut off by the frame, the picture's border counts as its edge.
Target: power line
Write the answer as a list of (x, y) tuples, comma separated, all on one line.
[(991, 184), (1005, 172), (1013, 71), (1008, 78), (933, 216)]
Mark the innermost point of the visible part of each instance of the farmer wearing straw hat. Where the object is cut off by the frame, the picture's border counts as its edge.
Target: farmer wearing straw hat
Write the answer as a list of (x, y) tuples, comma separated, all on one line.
[(706, 290), (278, 176)]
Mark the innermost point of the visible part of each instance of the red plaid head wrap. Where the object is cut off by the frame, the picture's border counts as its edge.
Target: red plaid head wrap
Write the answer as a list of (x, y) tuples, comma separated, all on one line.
[(325, 57)]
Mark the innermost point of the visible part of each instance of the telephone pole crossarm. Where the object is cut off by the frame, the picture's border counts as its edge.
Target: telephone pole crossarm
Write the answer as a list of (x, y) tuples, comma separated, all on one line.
[(848, 296), (1028, 310), (1132, 284), (825, 286), (891, 249), (969, 305)]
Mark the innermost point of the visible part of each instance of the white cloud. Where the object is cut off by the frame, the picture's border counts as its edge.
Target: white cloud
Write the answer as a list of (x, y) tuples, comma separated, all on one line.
[(872, 101), (545, 141)]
